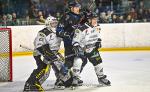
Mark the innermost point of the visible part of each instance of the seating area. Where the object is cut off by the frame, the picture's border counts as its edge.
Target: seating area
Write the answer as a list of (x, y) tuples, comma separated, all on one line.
[(34, 12)]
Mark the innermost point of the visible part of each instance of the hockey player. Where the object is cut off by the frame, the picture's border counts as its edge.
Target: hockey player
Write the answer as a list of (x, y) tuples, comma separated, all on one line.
[(86, 42), (65, 30), (46, 45)]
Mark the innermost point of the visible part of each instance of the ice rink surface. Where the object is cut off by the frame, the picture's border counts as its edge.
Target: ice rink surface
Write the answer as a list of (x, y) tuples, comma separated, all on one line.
[(128, 71)]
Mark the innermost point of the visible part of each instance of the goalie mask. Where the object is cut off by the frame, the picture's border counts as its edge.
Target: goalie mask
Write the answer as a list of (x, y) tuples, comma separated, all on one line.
[(51, 23)]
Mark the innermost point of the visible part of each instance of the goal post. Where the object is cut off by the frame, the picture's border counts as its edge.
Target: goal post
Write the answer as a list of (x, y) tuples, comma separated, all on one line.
[(5, 54)]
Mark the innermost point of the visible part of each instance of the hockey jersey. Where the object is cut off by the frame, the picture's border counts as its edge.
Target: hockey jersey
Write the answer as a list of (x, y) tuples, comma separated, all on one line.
[(86, 36), (66, 26), (47, 37)]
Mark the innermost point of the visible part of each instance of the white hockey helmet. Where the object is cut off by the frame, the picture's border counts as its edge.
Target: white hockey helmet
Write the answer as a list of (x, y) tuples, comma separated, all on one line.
[(51, 23)]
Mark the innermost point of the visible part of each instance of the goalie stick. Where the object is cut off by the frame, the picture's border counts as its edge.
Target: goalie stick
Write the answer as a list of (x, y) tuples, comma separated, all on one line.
[(30, 49), (26, 47)]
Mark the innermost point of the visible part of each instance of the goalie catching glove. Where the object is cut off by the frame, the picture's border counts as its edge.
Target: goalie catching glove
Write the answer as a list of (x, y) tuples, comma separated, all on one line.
[(47, 53)]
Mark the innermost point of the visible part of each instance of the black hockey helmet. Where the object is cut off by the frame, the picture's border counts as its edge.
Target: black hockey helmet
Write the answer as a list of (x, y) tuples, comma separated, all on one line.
[(74, 4), (91, 15)]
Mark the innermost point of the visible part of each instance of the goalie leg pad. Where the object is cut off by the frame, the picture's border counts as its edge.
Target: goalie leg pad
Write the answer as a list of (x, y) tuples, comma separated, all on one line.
[(40, 74)]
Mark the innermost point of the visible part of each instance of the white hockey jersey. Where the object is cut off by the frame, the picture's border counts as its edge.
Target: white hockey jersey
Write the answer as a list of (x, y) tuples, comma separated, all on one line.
[(86, 36), (47, 37)]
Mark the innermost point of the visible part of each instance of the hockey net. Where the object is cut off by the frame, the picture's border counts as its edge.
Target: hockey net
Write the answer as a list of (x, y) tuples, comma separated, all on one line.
[(5, 54)]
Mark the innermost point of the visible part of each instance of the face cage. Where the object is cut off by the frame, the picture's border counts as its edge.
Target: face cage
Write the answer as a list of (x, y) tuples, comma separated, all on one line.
[(53, 24)]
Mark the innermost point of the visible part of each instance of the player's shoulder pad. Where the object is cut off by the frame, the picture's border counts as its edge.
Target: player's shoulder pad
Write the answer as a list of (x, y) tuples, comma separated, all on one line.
[(45, 31), (83, 27)]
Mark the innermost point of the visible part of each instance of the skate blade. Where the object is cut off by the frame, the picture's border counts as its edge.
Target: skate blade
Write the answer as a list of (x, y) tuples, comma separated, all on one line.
[(80, 84), (103, 85), (73, 88), (59, 87)]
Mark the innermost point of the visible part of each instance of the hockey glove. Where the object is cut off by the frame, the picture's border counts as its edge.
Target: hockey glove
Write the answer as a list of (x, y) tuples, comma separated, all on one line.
[(78, 51), (98, 44), (64, 35)]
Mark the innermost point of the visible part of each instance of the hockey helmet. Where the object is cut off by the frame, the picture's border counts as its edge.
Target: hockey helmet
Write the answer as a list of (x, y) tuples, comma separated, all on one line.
[(91, 15), (74, 4), (51, 22)]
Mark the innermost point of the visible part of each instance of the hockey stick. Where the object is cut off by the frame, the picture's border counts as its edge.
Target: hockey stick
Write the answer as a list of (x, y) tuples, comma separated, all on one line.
[(26, 47), (78, 87)]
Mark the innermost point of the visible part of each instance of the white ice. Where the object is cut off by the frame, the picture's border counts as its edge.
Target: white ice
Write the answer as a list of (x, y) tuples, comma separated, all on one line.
[(128, 72)]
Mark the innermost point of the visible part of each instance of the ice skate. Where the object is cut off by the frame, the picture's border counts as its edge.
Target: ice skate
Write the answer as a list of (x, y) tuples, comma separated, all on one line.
[(103, 81), (59, 84), (74, 83), (80, 82)]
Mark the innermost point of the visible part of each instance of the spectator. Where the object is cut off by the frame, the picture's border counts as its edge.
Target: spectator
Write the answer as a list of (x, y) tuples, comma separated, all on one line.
[(136, 9), (141, 5), (109, 16), (140, 15), (9, 20), (103, 18), (114, 18), (33, 12), (133, 14), (146, 16), (120, 19), (129, 19), (15, 21), (4, 20), (28, 20), (40, 20)]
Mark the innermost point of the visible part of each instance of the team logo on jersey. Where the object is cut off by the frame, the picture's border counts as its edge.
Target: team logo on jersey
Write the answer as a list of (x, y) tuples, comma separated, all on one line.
[(51, 37)]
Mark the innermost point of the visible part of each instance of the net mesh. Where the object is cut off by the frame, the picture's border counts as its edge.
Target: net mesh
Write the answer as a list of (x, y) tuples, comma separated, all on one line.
[(4, 55)]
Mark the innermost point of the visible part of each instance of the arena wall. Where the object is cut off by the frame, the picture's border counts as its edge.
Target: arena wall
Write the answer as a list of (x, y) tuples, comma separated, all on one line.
[(123, 35)]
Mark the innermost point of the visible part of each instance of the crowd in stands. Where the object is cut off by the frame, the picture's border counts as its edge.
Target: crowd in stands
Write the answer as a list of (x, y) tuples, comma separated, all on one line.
[(137, 12), (28, 12), (31, 12)]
